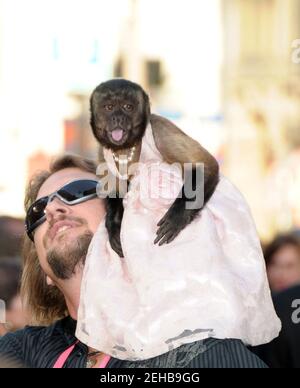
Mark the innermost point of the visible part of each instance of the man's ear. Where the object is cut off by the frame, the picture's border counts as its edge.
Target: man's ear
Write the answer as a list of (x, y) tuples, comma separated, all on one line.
[(49, 281)]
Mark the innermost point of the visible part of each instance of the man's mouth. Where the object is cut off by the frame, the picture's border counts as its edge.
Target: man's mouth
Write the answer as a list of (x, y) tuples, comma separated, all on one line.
[(60, 227)]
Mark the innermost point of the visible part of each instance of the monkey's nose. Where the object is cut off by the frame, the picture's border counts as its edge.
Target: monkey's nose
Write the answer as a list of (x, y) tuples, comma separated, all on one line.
[(118, 120)]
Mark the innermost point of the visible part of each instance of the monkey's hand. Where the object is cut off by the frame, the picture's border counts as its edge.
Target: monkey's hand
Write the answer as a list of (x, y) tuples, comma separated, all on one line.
[(114, 215), (174, 221)]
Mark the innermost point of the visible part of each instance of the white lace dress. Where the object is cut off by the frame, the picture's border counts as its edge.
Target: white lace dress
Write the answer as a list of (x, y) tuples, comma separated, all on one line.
[(209, 282)]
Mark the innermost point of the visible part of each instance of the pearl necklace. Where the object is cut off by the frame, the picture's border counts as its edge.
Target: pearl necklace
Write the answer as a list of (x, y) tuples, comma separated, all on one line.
[(124, 159)]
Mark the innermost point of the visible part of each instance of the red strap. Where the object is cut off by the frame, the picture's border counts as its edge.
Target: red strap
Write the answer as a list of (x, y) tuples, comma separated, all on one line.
[(64, 356)]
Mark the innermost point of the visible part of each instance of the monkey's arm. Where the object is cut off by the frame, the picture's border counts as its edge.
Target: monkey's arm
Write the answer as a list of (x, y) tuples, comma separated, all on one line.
[(114, 211), (175, 146), (114, 215)]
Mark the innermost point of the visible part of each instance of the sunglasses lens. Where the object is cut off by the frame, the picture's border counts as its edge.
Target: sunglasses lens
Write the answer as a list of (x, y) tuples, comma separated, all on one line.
[(36, 212), (77, 190)]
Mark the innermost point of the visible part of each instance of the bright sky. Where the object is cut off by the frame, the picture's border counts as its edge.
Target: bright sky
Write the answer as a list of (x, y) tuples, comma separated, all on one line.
[(47, 48), (189, 39)]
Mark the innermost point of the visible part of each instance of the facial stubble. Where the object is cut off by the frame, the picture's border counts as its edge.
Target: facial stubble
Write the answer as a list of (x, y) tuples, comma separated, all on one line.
[(66, 258)]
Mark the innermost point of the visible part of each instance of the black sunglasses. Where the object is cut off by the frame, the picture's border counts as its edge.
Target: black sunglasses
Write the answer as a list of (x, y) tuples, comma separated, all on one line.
[(73, 193)]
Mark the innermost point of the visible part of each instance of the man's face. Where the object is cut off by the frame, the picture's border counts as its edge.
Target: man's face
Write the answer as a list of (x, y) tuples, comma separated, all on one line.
[(63, 239)]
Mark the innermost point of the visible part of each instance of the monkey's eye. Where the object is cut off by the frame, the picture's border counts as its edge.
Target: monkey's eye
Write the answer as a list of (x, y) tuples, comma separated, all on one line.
[(109, 107), (128, 107)]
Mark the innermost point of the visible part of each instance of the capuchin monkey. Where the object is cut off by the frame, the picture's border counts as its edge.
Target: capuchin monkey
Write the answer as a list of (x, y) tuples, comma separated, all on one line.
[(120, 113)]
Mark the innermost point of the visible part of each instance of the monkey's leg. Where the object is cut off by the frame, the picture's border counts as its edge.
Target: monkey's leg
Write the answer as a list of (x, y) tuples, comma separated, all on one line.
[(180, 213), (114, 215)]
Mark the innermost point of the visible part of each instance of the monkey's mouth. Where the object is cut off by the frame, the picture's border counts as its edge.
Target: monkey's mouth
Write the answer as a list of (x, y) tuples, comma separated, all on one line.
[(117, 134)]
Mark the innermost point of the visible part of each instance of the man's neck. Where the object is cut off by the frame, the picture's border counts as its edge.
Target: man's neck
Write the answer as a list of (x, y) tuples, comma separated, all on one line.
[(71, 291)]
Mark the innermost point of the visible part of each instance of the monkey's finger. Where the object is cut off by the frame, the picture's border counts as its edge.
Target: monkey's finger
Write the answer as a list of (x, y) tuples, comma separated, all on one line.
[(174, 235), (118, 251), (166, 238), (161, 225), (117, 247), (162, 231), (163, 219), (161, 222), (157, 239), (121, 254), (164, 228)]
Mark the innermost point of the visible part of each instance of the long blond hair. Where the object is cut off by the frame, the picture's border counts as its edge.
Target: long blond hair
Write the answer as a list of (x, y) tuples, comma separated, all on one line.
[(45, 304)]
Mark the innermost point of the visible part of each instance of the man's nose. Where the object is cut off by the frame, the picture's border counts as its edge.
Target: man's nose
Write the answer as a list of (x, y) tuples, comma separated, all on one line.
[(55, 208)]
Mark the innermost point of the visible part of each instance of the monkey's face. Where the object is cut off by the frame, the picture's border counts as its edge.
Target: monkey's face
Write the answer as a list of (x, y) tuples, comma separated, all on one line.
[(120, 112)]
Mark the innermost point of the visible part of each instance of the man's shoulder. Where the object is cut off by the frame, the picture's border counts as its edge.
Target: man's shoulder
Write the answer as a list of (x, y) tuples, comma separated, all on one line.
[(287, 295), (15, 345), (63, 326), (286, 301), (209, 353)]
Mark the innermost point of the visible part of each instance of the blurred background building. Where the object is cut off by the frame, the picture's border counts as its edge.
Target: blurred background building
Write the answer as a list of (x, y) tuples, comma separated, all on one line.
[(261, 101), (227, 71)]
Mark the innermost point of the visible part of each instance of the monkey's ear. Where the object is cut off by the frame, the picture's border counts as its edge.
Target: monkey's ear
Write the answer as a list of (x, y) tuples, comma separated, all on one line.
[(147, 103), (91, 108), (92, 115), (92, 99), (92, 120)]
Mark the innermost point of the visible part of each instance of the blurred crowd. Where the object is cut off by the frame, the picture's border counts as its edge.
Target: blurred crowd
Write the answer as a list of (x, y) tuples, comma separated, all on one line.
[(282, 256), (11, 235)]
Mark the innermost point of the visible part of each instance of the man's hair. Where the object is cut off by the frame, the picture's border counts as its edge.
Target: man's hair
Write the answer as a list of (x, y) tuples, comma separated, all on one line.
[(46, 304)]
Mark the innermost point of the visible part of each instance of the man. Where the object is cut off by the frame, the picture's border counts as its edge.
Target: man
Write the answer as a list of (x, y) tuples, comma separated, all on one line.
[(11, 237), (11, 233), (14, 315), (284, 351), (63, 213)]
